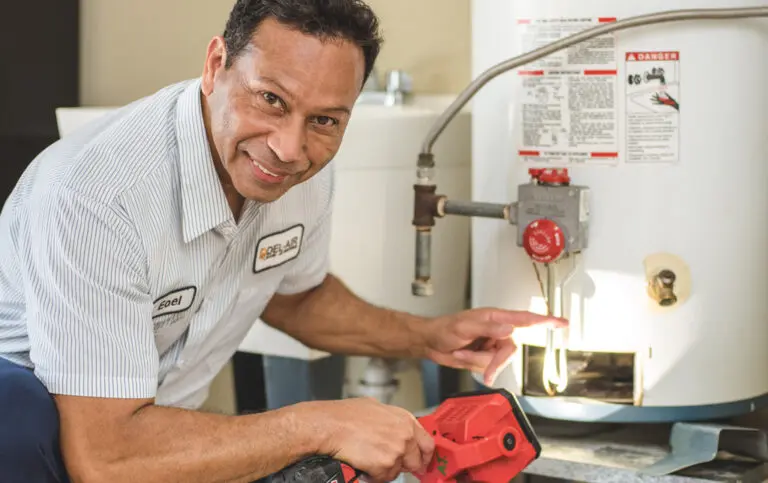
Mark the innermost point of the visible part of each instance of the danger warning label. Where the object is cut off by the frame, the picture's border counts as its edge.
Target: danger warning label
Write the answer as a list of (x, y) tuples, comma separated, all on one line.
[(652, 107), (646, 56), (568, 111)]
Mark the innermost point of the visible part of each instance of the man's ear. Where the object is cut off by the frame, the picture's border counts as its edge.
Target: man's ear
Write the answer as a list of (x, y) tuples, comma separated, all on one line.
[(215, 60)]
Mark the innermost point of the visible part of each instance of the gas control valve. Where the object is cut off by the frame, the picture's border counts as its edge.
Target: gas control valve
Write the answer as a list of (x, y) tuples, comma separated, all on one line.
[(552, 215)]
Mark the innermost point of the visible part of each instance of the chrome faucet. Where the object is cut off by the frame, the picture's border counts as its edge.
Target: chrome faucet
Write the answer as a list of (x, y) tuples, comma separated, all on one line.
[(395, 90), (399, 86)]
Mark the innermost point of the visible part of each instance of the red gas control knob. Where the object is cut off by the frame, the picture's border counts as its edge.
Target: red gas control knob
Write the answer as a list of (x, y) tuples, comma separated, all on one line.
[(554, 176), (535, 172), (544, 241)]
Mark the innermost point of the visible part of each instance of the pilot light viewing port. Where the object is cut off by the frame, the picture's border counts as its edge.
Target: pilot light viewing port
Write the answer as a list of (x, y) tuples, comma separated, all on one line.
[(607, 377)]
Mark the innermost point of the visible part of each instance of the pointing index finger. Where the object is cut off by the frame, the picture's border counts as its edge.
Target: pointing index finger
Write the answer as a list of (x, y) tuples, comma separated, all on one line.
[(516, 318)]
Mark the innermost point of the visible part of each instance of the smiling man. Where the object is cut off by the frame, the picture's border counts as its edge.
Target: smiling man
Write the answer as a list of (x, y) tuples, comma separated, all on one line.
[(138, 252)]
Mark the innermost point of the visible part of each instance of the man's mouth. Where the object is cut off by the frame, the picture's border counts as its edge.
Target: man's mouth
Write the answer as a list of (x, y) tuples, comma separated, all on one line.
[(265, 174)]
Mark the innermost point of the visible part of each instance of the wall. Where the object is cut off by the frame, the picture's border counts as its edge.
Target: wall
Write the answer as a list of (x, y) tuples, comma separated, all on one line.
[(130, 49)]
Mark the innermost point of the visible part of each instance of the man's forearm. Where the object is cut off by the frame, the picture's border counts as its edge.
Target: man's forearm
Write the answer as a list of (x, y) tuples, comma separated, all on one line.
[(160, 444), (333, 319)]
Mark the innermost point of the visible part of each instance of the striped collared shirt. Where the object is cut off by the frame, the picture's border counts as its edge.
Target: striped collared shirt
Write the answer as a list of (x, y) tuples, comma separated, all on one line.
[(122, 271)]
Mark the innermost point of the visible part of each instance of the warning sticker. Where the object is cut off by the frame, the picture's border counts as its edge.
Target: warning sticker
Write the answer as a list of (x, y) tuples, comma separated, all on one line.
[(653, 107), (568, 111)]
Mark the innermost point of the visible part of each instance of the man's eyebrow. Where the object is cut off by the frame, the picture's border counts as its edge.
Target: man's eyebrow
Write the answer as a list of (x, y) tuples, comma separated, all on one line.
[(276, 83), (342, 109)]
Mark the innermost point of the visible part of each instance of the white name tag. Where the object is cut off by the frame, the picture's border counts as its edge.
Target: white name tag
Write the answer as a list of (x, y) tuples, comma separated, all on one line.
[(278, 248), (174, 302)]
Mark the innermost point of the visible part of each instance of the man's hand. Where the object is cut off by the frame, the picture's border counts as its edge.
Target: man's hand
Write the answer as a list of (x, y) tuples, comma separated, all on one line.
[(380, 440), (479, 340)]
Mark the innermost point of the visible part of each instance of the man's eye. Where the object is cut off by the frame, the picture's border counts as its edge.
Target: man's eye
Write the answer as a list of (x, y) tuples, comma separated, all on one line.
[(271, 99), (326, 121)]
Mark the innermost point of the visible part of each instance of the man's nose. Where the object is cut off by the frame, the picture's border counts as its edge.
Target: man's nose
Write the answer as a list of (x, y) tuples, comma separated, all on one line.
[(289, 141)]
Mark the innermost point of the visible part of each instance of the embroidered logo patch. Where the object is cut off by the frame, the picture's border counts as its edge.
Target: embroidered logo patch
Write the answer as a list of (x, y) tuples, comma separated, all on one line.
[(275, 249), (174, 302)]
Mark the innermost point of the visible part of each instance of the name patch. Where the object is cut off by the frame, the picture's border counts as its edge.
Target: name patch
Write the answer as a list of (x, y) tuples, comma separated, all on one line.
[(278, 248), (174, 302)]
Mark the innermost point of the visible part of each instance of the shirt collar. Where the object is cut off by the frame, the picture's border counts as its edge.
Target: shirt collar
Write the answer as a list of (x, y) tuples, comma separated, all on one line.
[(203, 203)]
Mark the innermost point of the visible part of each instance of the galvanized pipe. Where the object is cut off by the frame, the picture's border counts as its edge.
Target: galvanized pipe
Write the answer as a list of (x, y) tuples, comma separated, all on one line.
[(422, 284), (471, 208)]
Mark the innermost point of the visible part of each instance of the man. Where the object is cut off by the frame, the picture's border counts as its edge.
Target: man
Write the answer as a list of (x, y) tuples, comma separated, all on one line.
[(138, 252)]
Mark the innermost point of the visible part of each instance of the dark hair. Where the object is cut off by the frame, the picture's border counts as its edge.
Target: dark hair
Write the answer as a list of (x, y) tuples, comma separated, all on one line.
[(352, 20)]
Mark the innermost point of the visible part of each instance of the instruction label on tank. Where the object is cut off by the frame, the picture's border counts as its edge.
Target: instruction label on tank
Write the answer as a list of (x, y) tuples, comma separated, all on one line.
[(653, 106), (568, 111)]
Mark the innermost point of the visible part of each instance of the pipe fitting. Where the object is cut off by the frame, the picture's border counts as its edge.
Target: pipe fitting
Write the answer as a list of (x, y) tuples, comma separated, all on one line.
[(426, 205), (378, 381), (426, 160), (662, 288)]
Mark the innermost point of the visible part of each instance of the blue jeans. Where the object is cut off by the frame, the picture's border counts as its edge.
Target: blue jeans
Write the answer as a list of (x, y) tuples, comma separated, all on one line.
[(29, 429)]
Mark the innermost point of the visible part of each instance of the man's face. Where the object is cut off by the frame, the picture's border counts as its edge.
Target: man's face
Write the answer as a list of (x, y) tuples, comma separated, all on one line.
[(277, 116)]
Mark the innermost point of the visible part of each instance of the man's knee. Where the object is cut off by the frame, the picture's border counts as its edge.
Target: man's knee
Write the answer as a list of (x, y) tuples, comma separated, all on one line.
[(29, 428)]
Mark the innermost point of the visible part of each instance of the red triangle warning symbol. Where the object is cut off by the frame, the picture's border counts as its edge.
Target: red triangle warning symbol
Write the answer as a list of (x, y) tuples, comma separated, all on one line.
[(631, 56)]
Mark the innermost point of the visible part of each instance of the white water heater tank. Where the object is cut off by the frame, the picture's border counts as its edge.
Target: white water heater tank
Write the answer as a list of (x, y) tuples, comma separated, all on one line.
[(667, 125)]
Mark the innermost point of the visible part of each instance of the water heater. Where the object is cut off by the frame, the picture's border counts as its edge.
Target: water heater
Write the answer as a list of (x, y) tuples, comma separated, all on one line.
[(628, 176)]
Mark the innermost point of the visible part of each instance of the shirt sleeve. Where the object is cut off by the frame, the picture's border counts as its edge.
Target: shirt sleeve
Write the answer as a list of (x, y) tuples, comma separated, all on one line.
[(313, 263), (89, 311)]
